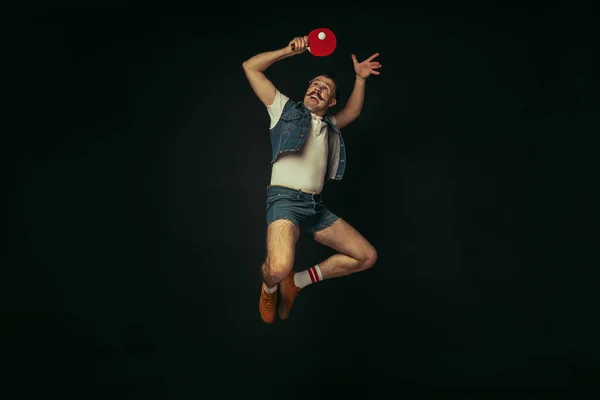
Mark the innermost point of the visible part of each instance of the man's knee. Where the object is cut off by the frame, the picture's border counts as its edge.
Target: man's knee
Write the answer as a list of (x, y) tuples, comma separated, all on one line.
[(369, 258), (278, 268)]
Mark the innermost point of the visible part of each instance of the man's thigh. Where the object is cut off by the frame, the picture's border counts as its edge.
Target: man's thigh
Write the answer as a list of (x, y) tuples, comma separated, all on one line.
[(344, 238), (282, 236)]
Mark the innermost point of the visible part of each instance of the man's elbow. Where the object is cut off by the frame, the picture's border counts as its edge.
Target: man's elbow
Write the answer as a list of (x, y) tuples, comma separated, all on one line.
[(248, 68)]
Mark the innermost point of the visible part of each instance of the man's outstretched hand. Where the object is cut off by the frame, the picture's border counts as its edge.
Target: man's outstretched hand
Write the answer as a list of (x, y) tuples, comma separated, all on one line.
[(366, 68)]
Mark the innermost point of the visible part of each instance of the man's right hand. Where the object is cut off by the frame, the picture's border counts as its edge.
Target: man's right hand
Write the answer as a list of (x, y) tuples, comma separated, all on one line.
[(298, 45)]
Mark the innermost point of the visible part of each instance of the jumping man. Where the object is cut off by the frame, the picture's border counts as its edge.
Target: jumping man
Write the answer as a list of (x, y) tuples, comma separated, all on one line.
[(307, 150)]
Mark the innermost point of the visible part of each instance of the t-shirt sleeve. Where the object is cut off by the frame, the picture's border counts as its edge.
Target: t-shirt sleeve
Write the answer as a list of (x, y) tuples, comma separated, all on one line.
[(276, 108), (332, 119)]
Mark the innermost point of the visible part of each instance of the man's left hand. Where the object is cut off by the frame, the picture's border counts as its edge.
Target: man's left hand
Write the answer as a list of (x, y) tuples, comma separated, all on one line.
[(366, 68)]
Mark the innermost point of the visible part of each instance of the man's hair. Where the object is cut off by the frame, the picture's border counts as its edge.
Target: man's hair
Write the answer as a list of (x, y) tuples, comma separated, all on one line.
[(332, 77)]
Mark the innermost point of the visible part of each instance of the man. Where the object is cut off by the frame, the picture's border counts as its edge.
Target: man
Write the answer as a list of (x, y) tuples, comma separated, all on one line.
[(307, 150)]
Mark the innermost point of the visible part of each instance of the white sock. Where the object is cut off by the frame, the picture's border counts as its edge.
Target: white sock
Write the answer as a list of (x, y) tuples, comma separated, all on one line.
[(268, 289), (305, 278)]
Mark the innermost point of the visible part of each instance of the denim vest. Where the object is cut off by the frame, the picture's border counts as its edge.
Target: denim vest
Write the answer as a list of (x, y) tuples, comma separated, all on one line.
[(291, 131)]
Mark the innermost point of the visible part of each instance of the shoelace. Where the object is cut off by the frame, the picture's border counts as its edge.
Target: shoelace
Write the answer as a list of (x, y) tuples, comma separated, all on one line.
[(269, 302)]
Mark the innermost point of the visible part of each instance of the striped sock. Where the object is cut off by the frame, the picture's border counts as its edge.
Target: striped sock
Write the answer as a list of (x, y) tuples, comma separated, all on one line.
[(305, 278)]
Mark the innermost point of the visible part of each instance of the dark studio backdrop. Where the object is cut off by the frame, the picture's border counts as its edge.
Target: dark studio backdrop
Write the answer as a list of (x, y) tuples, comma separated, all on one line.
[(137, 209)]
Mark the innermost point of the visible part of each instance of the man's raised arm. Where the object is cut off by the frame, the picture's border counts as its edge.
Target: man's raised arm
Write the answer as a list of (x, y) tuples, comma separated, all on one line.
[(355, 102), (255, 67)]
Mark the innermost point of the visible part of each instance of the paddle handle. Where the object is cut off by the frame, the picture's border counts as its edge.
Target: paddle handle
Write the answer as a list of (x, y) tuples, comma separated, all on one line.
[(294, 46)]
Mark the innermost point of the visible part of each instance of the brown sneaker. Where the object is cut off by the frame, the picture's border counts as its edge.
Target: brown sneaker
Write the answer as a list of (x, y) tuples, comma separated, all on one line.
[(267, 304), (288, 292)]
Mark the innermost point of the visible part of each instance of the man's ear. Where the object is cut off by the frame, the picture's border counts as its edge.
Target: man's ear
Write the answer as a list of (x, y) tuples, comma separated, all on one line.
[(333, 102)]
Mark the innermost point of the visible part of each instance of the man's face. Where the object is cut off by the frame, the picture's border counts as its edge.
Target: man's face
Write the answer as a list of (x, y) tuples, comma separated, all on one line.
[(320, 94)]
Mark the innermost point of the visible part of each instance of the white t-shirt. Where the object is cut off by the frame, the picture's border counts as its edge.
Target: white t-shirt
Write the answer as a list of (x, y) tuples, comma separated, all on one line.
[(303, 169)]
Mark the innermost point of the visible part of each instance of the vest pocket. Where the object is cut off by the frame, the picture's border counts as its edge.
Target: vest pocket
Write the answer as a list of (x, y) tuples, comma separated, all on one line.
[(291, 116), (290, 123)]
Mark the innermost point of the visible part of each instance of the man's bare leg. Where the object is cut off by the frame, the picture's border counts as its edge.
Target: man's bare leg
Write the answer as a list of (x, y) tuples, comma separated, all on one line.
[(282, 236), (355, 254)]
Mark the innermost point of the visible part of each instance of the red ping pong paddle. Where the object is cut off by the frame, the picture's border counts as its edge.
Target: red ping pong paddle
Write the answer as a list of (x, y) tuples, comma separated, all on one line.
[(321, 42)]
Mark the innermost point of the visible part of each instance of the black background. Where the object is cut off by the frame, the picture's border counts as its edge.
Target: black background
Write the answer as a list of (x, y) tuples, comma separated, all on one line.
[(136, 207)]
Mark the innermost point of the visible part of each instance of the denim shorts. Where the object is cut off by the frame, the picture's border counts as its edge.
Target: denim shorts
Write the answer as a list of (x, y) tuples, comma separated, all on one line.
[(307, 211)]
